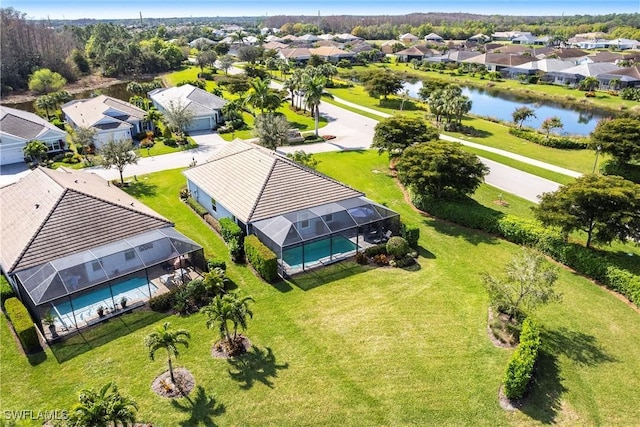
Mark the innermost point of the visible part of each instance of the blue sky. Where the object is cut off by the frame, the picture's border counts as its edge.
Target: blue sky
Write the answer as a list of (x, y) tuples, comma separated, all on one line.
[(74, 9)]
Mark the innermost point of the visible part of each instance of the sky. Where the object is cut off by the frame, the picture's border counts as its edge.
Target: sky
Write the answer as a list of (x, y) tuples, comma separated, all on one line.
[(114, 9)]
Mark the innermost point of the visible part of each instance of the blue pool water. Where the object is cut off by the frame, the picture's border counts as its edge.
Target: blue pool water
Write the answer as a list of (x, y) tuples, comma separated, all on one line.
[(86, 305), (315, 251)]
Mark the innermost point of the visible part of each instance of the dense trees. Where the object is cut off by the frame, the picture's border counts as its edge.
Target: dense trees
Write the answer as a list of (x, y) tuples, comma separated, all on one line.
[(440, 168), (618, 137), (46, 81), (606, 208), (527, 283), (396, 133)]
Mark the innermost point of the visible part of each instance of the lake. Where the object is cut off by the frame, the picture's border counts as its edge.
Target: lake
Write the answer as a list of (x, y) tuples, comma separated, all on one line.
[(501, 105)]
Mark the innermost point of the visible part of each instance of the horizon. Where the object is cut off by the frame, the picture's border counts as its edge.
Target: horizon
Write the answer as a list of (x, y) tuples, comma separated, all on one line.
[(121, 9)]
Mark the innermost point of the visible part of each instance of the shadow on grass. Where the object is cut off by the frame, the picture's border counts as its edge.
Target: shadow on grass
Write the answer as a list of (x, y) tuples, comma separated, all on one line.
[(321, 276), (397, 104), (577, 346), (201, 408), (424, 253), (472, 236), (37, 358), (100, 334), (544, 399), (138, 189), (282, 286), (257, 365)]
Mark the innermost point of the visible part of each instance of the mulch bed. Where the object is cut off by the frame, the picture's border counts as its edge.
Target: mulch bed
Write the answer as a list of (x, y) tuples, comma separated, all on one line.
[(220, 351), (494, 340), (509, 404), (184, 384)]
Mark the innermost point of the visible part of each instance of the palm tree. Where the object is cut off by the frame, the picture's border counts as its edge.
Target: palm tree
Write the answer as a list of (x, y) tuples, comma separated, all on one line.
[(240, 312), (45, 102), (261, 96), (153, 116), (551, 123), (100, 409), (168, 339), (614, 84), (215, 281), (35, 149), (521, 114), (313, 90), (590, 83), (219, 313)]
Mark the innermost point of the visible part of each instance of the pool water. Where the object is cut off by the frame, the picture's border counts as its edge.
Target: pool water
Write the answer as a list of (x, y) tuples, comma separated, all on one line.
[(315, 251), (86, 305)]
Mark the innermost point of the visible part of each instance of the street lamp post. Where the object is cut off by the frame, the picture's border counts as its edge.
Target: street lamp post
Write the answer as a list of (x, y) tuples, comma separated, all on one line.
[(598, 148)]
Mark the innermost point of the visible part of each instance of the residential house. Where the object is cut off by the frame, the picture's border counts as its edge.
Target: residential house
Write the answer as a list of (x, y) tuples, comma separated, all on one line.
[(508, 35), (416, 52), (536, 67), (305, 217), (332, 54), (201, 42), (111, 118), (479, 38), (274, 45), (346, 37), (205, 107), (542, 41), (627, 77), (499, 61), (454, 56), (119, 248), (408, 38), (308, 39), (523, 39), (299, 55), (433, 37), (574, 75), (18, 127), (623, 44)]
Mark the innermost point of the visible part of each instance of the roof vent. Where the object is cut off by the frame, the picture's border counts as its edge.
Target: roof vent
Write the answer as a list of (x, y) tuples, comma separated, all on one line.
[(37, 206)]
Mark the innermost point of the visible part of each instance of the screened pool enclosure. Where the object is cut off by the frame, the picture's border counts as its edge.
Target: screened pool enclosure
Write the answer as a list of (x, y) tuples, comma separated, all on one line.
[(83, 288), (327, 233)]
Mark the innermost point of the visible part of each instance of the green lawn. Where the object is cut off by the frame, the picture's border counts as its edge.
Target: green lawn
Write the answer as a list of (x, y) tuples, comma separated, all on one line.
[(352, 345)]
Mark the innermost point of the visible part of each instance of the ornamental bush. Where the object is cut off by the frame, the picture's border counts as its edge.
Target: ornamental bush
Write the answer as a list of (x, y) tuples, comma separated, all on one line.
[(216, 263), (263, 260), (163, 302), (520, 367), (22, 324), (411, 233), (552, 141), (398, 247), (230, 230), (197, 207), (378, 249), (6, 291)]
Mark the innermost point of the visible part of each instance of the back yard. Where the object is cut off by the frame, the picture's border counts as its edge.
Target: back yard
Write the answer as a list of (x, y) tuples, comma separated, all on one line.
[(353, 345)]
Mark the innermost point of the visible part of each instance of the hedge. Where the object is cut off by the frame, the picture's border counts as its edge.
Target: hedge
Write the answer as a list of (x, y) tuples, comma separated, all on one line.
[(216, 263), (531, 233), (213, 222), (263, 260), (411, 233), (6, 291), (200, 210), (551, 141), (164, 302), (22, 324), (230, 230), (520, 367), (378, 249)]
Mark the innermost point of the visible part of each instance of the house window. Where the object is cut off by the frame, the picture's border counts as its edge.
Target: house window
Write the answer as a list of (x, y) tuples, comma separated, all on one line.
[(328, 217), (214, 206), (129, 255), (304, 221), (96, 266)]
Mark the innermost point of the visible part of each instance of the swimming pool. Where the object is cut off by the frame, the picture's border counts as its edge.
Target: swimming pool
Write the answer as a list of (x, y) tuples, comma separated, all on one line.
[(316, 251), (86, 305)]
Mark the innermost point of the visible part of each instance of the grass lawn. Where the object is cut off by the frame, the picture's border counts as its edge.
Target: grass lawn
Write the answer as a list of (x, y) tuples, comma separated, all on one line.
[(352, 345)]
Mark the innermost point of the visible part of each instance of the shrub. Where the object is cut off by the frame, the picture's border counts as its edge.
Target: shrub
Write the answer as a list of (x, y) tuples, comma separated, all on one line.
[(22, 324), (398, 247), (170, 142), (381, 259), (520, 366), (235, 250), (184, 193), (216, 263), (214, 223), (163, 302), (230, 230), (6, 291), (197, 207), (551, 141), (372, 251), (405, 261), (411, 233), (263, 260), (361, 258)]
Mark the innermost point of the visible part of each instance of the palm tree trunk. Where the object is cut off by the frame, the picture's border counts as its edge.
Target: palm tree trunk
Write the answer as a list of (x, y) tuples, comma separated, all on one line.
[(173, 380), (317, 114)]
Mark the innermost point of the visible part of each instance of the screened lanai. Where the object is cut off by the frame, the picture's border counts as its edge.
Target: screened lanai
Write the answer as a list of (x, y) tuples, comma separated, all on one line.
[(73, 288), (327, 233)]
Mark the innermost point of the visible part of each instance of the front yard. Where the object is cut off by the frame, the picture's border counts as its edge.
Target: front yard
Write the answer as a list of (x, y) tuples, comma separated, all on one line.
[(352, 345)]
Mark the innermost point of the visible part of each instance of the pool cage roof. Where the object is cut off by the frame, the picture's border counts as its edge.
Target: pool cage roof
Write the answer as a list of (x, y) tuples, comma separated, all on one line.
[(313, 223), (73, 273)]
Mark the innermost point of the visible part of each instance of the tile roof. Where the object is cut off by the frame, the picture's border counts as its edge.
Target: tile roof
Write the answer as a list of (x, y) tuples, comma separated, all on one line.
[(254, 183), (296, 52), (198, 101), (591, 70), (329, 51), (88, 112), (25, 125), (53, 213)]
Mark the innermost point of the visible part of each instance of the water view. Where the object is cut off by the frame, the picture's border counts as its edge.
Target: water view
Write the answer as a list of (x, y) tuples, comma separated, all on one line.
[(500, 106)]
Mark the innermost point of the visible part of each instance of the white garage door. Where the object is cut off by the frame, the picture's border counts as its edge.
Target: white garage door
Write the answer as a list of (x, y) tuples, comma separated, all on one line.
[(11, 155), (200, 124)]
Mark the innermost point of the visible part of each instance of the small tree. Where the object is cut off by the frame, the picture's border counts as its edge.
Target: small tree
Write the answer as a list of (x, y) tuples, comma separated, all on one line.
[(440, 168), (118, 154), (604, 207), (527, 283), (178, 116), (226, 62), (313, 89), (206, 58), (305, 159), (82, 138), (225, 310), (550, 124), (103, 408), (522, 114), (164, 337), (45, 81), (262, 97), (272, 130), (383, 83), (394, 134), (35, 149)]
